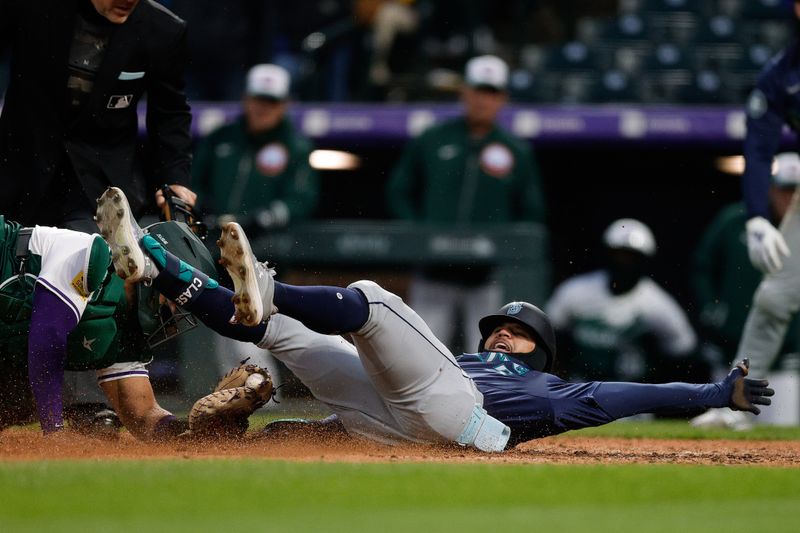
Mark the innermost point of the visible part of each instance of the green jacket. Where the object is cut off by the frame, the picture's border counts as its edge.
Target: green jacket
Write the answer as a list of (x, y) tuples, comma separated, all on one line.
[(446, 176), (236, 173)]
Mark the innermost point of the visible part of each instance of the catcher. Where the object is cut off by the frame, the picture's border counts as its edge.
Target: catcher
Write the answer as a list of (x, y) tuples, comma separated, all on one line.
[(63, 308), (397, 382)]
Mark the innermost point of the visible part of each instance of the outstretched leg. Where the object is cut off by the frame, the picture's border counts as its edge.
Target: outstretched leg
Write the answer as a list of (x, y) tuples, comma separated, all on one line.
[(324, 309), (139, 257), (413, 371)]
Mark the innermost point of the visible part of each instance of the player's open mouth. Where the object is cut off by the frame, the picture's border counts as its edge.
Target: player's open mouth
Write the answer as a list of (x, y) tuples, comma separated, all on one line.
[(501, 346)]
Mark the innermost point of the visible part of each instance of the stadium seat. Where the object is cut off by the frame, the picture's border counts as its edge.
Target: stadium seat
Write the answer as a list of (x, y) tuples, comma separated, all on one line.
[(669, 6), (614, 86), (626, 28), (705, 88), (764, 9), (535, 87), (572, 56), (668, 56)]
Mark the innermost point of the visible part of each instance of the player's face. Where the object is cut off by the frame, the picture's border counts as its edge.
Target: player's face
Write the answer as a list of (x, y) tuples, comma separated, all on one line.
[(481, 106), (117, 11), (780, 198), (510, 337), (263, 114)]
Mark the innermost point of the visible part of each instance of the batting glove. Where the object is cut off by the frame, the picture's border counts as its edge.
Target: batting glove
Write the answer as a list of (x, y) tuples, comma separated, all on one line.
[(766, 245)]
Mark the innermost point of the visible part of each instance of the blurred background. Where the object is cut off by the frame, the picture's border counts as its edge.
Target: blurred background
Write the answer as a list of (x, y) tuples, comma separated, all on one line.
[(633, 108)]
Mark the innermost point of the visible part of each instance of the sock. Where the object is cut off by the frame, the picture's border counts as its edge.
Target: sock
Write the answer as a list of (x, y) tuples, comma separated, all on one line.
[(324, 309), (168, 428)]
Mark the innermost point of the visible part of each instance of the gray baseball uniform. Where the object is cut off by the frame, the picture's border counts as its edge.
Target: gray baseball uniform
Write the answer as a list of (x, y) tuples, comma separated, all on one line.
[(776, 300), (397, 383)]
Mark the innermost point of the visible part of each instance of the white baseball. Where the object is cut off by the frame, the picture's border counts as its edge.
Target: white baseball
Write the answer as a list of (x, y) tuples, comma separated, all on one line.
[(254, 380)]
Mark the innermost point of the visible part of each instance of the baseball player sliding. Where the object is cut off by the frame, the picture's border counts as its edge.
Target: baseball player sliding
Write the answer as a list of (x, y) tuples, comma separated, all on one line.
[(398, 382)]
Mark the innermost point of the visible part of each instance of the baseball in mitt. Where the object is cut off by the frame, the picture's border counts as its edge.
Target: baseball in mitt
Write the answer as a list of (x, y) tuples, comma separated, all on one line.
[(224, 412)]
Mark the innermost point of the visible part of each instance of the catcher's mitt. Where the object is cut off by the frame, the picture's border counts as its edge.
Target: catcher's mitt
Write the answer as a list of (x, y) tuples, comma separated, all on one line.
[(224, 412)]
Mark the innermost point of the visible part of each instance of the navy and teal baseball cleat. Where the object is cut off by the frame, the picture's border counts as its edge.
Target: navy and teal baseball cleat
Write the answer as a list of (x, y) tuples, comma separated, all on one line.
[(747, 394)]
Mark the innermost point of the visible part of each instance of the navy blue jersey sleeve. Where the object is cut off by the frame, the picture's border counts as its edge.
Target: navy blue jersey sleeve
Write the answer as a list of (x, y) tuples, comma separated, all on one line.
[(773, 103), (536, 404)]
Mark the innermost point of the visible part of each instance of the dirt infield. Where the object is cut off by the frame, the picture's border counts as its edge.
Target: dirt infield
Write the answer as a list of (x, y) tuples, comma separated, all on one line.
[(25, 444)]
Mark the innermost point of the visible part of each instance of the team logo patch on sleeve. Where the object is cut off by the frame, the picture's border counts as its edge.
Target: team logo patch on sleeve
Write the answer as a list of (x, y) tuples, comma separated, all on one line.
[(756, 104), (78, 285)]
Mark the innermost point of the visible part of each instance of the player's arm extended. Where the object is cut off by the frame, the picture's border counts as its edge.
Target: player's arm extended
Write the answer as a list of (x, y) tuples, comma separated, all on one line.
[(51, 321), (135, 404)]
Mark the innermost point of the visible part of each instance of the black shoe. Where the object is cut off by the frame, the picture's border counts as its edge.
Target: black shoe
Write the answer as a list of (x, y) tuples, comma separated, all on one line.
[(93, 420), (303, 428), (745, 392)]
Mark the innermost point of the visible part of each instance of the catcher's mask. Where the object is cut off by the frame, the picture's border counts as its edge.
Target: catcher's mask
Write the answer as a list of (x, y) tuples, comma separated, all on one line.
[(536, 321), (159, 323)]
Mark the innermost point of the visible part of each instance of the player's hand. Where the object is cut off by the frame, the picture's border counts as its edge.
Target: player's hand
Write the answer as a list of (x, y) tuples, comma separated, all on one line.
[(766, 245), (173, 307), (184, 193)]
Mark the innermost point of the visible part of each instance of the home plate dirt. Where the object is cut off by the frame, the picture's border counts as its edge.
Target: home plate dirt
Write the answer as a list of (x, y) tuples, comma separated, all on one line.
[(25, 444)]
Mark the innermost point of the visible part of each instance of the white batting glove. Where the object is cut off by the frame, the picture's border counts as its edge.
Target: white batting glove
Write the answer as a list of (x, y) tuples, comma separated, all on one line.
[(766, 245)]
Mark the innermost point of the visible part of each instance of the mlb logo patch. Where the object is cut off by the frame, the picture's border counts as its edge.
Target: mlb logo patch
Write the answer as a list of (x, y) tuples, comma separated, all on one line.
[(119, 101)]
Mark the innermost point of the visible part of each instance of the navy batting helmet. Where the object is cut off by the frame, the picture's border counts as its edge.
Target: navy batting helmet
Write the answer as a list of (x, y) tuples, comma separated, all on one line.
[(534, 319)]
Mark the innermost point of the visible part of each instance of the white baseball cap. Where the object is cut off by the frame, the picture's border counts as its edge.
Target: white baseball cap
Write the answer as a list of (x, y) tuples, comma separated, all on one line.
[(630, 234), (486, 71), (786, 170), (268, 81)]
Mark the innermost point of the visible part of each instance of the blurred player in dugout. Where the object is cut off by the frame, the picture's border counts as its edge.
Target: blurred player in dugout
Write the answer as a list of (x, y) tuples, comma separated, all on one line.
[(465, 171), (724, 282), (256, 171), (616, 322)]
